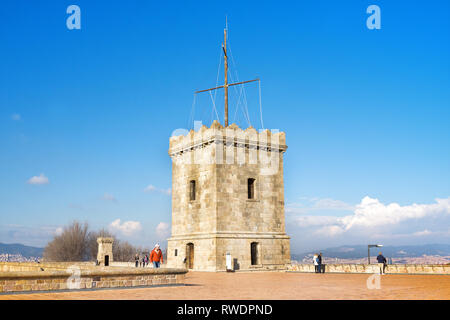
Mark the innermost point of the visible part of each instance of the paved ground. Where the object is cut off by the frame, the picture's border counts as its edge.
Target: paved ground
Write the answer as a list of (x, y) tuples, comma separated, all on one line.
[(273, 285)]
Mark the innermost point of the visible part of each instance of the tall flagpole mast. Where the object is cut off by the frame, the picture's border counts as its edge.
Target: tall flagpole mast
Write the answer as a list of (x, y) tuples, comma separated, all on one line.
[(225, 86)]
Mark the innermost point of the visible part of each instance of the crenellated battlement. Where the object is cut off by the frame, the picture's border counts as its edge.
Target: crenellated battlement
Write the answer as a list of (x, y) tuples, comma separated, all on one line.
[(249, 138)]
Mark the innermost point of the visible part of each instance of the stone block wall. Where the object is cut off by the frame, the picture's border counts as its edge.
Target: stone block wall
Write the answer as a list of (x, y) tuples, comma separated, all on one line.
[(272, 252), (210, 252), (204, 253), (92, 277), (222, 218), (47, 266), (375, 268)]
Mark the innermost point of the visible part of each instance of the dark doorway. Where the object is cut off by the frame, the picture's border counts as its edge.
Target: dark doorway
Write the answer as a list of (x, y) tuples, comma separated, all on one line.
[(254, 253), (190, 256), (106, 260)]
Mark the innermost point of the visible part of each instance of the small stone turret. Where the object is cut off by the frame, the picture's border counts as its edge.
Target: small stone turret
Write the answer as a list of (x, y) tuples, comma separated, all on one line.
[(105, 253)]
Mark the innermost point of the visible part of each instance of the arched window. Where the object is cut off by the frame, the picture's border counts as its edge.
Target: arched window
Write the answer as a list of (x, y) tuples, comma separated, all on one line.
[(251, 188), (192, 190)]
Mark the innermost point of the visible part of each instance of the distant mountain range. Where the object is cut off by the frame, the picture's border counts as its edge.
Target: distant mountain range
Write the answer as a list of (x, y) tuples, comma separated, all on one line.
[(342, 252), (17, 248), (360, 251)]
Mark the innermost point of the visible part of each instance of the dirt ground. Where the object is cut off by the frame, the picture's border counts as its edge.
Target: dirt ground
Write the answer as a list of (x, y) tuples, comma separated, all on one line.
[(271, 285)]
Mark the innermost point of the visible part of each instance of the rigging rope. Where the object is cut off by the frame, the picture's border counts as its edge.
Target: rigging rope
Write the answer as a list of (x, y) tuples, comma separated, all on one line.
[(192, 115), (237, 104), (245, 103), (214, 105), (260, 104), (242, 93)]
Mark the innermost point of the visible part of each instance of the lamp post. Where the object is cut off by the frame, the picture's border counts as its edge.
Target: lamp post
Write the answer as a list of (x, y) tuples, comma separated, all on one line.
[(372, 246)]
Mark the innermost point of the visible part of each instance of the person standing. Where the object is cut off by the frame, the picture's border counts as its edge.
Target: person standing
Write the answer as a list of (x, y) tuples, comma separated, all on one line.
[(381, 260), (319, 261), (316, 263), (156, 256), (136, 260)]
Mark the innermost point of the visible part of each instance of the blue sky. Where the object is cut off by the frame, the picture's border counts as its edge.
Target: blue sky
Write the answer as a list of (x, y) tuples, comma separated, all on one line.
[(366, 113)]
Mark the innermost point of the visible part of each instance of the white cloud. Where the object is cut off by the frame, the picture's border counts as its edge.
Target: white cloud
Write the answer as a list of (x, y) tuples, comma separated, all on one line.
[(42, 179), (127, 228), (152, 188), (16, 117), (372, 213), (59, 231), (109, 197), (329, 231), (163, 230)]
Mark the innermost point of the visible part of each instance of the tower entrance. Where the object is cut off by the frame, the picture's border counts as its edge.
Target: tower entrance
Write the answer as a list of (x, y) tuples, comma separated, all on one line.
[(190, 256)]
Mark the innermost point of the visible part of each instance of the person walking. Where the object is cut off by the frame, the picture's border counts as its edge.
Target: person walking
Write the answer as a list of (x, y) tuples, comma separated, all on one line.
[(316, 263), (156, 256), (136, 260), (381, 260), (143, 261), (146, 260)]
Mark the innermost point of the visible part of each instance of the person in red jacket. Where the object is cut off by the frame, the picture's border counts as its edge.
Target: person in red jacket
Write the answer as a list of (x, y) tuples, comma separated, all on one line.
[(156, 256)]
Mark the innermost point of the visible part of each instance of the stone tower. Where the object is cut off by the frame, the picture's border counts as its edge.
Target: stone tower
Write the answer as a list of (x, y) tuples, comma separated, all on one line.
[(105, 253), (228, 198)]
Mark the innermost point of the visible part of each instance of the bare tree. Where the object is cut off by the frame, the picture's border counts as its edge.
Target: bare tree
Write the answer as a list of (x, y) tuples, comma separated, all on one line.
[(76, 243), (70, 245), (124, 251)]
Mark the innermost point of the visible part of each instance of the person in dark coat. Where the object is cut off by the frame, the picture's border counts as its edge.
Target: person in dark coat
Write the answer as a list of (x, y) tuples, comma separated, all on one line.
[(382, 259), (321, 266), (136, 260)]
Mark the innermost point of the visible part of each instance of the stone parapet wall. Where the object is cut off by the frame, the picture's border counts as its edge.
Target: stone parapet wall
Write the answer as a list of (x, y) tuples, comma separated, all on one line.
[(249, 138), (47, 266), (375, 268), (89, 278), (123, 264)]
